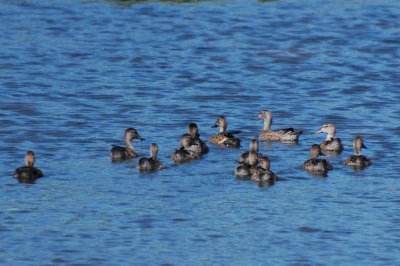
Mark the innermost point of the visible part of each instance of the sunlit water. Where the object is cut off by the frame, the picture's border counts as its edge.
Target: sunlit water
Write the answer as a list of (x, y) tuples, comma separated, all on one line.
[(73, 76)]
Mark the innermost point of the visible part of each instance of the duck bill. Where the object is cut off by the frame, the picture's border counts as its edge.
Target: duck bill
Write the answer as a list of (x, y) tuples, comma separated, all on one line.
[(214, 126), (363, 146), (318, 131), (139, 138)]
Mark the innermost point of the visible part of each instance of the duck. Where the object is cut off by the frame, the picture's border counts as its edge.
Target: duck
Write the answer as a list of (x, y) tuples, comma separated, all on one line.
[(196, 144), (331, 144), (152, 163), (262, 173), (184, 154), (28, 173), (246, 170), (224, 138), (358, 160), (285, 135), (118, 153), (244, 157), (317, 165)]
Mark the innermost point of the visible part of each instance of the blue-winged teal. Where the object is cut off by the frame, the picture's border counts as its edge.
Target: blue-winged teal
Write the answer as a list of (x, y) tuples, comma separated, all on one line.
[(196, 144), (262, 173), (358, 160), (152, 163), (287, 134), (28, 173), (246, 170), (184, 154), (331, 144), (224, 138), (128, 152), (314, 164)]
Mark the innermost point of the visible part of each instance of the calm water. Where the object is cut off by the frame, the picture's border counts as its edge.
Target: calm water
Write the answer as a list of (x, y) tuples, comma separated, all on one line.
[(74, 76)]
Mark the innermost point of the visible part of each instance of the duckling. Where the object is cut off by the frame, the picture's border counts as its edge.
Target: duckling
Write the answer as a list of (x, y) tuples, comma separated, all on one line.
[(358, 160), (331, 144), (287, 134), (152, 163), (246, 170), (122, 153), (184, 154), (314, 164), (196, 144), (28, 173), (224, 138), (244, 157), (262, 172)]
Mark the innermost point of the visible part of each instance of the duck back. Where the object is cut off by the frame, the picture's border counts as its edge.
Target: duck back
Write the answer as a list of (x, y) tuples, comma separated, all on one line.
[(358, 161), (334, 145), (318, 165), (122, 153), (28, 174)]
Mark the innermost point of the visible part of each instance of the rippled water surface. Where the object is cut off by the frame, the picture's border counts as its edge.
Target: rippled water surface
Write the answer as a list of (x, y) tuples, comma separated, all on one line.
[(74, 75)]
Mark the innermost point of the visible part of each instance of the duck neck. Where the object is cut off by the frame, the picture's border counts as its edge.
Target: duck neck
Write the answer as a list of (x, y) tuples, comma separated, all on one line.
[(28, 163), (222, 129), (153, 154), (357, 151), (267, 123), (330, 136), (129, 144)]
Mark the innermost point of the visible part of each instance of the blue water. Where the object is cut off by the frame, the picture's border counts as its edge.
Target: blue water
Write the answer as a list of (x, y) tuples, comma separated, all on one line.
[(74, 75)]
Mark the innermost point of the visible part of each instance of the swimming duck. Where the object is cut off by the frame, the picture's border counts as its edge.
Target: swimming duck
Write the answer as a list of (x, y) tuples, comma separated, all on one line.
[(331, 144), (184, 154), (28, 173), (262, 173), (314, 164), (152, 163), (287, 134), (224, 138), (246, 170), (358, 160), (196, 144), (244, 157), (128, 152)]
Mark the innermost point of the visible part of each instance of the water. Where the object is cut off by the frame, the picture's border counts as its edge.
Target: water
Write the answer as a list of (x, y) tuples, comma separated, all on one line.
[(74, 76)]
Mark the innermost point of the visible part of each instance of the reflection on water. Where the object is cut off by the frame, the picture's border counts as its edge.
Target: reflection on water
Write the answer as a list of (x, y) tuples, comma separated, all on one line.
[(74, 77)]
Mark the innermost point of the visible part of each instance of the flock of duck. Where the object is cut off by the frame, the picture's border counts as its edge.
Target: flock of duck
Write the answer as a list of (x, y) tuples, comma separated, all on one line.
[(252, 164)]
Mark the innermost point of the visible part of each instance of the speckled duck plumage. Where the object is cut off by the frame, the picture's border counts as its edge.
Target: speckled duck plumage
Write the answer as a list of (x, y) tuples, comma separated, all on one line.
[(244, 157), (331, 145), (358, 160), (151, 163), (184, 153), (196, 145), (246, 170), (28, 173), (314, 164), (262, 173), (224, 138), (119, 153), (285, 135)]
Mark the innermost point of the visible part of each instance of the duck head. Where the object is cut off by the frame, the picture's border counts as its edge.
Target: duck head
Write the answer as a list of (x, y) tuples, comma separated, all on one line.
[(315, 151), (264, 163), (29, 158), (193, 130), (153, 150), (222, 123), (253, 145), (329, 129), (358, 143), (266, 115), (185, 140)]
